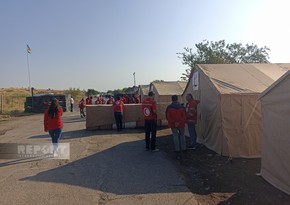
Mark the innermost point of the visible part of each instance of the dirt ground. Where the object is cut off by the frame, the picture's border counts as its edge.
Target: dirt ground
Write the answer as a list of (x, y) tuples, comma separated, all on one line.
[(209, 174), (204, 177)]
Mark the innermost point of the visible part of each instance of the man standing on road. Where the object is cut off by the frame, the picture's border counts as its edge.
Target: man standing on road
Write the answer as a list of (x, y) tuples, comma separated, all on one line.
[(150, 116), (118, 113), (176, 116), (191, 118), (71, 103)]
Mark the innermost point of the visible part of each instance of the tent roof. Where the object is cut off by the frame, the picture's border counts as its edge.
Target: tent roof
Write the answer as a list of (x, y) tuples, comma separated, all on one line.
[(243, 78), (170, 87), (277, 82), (144, 88)]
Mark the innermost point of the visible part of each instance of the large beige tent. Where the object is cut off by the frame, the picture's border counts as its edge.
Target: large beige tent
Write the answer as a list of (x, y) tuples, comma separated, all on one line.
[(230, 112), (275, 102), (143, 91), (165, 89)]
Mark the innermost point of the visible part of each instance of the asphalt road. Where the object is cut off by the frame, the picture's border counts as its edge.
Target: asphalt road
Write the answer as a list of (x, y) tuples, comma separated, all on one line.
[(105, 167)]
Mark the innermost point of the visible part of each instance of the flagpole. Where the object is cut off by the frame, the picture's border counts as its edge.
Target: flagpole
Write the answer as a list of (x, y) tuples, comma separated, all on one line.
[(28, 70), (28, 51)]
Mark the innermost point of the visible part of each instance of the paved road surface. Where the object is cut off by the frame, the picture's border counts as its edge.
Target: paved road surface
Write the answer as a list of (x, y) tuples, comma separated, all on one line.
[(105, 167)]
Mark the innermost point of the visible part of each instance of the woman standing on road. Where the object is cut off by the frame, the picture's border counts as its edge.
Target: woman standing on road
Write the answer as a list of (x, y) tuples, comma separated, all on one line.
[(53, 123)]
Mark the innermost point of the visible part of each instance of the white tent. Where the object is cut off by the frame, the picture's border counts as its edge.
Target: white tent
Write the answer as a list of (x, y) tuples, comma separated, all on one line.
[(229, 119), (275, 102)]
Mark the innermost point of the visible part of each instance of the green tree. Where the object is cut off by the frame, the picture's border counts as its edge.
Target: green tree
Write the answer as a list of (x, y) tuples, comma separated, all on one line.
[(127, 90), (221, 53), (76, 93), (92, 92)]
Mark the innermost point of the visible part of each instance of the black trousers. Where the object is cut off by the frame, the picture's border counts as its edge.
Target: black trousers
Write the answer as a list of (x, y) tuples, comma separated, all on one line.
[(150, 129), (119, 120), (82, 112)]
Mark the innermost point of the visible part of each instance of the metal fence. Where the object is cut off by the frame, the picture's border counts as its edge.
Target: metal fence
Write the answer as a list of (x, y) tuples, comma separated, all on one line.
[(9, 104)]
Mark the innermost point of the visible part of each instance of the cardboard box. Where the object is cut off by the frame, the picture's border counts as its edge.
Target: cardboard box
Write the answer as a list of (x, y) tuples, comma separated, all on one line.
[(102, 116)]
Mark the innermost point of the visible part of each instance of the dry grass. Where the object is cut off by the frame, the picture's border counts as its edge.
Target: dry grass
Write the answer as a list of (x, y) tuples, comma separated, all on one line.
[(12, 99), (25, 92)]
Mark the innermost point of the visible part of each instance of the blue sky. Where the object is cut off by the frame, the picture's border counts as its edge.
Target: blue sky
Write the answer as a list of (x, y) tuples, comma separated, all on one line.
[(100, 43)]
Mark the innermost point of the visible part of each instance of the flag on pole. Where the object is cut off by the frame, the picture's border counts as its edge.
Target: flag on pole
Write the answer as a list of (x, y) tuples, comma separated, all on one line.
[(28, 49)]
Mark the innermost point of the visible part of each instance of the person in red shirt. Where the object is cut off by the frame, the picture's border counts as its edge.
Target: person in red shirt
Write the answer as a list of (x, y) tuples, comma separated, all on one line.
[(118, 113), (90, 100), (150, 116), (191, 118), (176, 116), (103, 101), (82, 106), (124, 99), (97, 101), (110, 100), (53, 123), (137, 98)]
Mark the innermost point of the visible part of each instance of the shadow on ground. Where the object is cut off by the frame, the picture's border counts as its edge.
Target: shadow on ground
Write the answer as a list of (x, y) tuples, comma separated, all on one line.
[(128, 169), (207, 173), (88, 133), (123, 169)]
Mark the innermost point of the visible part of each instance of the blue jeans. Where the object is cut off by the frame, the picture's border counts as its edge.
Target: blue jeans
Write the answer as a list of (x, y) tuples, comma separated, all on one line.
[(192, 133), (150, 128), (119, 120), (178, 139), (55, 135)]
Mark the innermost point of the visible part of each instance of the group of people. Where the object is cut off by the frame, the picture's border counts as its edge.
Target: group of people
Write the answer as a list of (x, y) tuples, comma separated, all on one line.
[(126, 99), (177, 115)]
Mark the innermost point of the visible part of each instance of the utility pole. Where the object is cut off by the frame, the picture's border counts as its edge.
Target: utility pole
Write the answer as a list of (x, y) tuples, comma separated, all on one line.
[(134, 79)]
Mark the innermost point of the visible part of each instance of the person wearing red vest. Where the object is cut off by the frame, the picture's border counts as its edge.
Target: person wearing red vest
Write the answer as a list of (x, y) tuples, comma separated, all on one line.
[(150, 116), (110, 100), (90, 100), (176, 116), (82, 106), (118, 113), (97, 101), (101, 100), (191, 118), (53, 123)]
